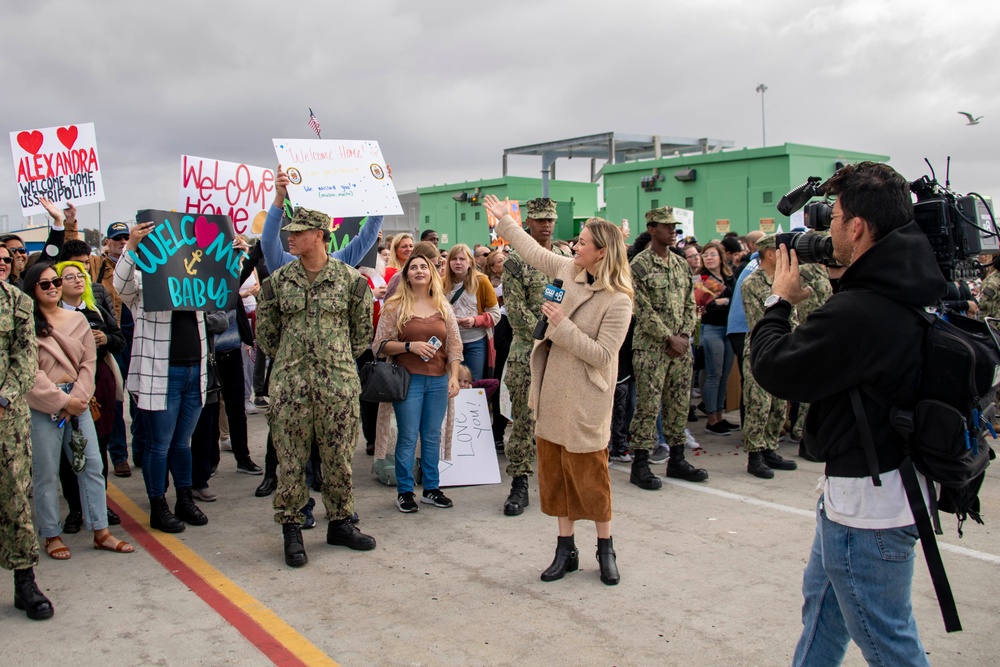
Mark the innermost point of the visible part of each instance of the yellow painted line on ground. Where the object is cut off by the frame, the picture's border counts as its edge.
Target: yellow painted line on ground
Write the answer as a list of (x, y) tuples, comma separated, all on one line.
[(287, 637)]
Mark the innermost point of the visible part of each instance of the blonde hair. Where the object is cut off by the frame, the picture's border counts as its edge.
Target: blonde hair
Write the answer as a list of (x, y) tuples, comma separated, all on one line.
[(489, 262), (471, 282), (464, 373), (397, 240), (402, 301), (612, 271)]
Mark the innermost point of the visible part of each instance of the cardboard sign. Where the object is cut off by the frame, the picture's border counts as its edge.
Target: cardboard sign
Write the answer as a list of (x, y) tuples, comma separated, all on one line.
[(497, 241), (473, 453), (345, 229), (340, 178), (59, 163), (213, 187), (188, 262)]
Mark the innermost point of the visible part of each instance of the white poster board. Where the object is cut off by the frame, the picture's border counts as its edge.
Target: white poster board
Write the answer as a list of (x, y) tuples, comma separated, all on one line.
[(473, 453), (59, 163), (685, 218), (340, 178), (213, 187)]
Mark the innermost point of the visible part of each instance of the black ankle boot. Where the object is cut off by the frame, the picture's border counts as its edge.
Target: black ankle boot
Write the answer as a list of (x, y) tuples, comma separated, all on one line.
[(518, 498), (161, 518), (606, 559), (567, 560), (679, 468), (268, 484), (295, 552), (757, 466), (28, 598), (344, 533), (641, 475), (187, 511)]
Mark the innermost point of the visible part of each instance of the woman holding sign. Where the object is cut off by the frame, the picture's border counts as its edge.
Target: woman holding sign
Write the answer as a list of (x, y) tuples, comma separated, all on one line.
[(573, 375)]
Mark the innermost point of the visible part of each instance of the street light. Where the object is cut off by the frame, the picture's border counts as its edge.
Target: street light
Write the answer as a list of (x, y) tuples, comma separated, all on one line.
[(761, 88)]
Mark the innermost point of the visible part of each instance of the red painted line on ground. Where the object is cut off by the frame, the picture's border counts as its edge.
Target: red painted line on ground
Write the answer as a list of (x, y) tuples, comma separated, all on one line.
[(275, 651)]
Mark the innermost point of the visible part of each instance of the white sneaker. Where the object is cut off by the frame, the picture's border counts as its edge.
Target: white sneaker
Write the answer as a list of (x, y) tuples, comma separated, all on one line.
[(250, 408), (689, 440), (226, 445)]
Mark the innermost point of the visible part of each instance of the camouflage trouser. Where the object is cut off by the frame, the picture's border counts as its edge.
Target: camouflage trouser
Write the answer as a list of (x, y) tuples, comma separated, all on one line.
[(661, 383), (332, 420), (765, 414), (800, 421), (18, 544), (520, 447)]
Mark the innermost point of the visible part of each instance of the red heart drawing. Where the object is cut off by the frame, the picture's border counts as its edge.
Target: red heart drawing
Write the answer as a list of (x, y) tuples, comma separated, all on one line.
[(204, 231), (67, 135), (30, 141)]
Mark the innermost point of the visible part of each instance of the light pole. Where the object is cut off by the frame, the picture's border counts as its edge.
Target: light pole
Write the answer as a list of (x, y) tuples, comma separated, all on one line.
[(761, 88)]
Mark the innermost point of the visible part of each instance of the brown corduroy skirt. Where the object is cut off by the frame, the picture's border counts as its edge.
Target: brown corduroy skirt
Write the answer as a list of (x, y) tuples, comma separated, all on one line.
[(573, 485)]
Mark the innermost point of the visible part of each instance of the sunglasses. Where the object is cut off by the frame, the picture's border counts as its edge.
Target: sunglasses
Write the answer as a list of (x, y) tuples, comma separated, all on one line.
[(22, 250), (45, 284), (6, 260), (120, 237)]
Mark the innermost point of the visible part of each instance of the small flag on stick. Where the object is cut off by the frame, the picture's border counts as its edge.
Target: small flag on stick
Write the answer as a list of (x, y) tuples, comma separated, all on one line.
[(314, 124)]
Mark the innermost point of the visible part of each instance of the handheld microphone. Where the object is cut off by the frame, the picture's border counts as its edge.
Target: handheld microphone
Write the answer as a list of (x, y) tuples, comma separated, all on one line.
[(554, 293)]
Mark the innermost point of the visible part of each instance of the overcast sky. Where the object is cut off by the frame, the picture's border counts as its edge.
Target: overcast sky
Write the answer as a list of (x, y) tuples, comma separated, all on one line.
[(445, 86)]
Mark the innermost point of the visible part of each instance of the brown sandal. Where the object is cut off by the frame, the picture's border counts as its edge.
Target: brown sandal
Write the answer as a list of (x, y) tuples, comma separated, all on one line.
[(57, 553), (122, 547)]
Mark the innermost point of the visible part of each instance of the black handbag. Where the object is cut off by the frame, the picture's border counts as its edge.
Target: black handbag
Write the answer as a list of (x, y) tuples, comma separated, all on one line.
[(384, 381)]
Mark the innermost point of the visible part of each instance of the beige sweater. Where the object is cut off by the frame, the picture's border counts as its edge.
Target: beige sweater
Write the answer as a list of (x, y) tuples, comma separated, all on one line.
[(68, 352), (573, 371)]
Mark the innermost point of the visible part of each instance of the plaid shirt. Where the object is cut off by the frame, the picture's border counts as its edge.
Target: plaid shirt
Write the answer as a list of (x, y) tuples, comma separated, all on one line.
[(150, 366)]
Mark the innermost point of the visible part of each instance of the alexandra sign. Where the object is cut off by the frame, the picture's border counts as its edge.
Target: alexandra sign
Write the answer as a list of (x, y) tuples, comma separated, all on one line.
[(58, 163)]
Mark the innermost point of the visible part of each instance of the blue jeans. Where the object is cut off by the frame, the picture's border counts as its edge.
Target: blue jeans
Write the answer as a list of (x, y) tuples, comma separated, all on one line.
[(718, 364), (421, 413), (857, 586), (48, 441), (168, 432), (474, 354)]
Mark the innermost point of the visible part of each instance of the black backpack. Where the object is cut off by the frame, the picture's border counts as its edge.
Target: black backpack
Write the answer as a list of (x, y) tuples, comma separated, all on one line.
[(945, 431)]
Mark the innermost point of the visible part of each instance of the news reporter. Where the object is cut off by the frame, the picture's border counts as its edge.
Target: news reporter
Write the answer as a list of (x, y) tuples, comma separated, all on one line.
[(573, 375)]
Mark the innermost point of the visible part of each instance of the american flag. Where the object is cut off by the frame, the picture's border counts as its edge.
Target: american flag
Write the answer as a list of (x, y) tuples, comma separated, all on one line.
[(314, 124)]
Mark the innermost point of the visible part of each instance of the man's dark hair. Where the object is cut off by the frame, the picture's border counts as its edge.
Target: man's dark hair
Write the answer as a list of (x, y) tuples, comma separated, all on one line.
[(873, 191), (10, 237), (731, 235), (426, 234), (640, 243), (74, 248)]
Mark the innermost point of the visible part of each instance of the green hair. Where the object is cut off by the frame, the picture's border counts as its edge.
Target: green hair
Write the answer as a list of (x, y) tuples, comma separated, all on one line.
[(88, 291)]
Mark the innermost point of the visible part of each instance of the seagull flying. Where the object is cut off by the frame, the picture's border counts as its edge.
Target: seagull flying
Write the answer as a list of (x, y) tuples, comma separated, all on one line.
[(972, 120)]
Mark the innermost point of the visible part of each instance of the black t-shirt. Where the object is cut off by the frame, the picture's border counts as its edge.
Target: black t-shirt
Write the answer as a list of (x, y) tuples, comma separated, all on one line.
[(185, 342)]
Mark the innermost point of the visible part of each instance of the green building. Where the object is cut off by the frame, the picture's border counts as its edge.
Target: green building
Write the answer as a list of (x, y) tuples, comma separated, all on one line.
[(455, 212), (733, 190)]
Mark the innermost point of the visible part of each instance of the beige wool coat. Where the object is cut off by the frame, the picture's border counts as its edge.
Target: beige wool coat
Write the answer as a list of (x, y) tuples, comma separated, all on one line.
[(574, 369)]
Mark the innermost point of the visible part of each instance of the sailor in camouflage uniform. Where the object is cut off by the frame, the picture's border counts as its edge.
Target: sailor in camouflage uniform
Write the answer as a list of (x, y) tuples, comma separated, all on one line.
[(523, 286), (817, 279), (313, 320), (18, 363), (665, 315), (765, 413), (989, 295)]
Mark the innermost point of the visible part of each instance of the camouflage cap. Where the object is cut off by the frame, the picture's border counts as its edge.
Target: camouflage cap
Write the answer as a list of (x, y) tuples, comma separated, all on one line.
[(767, 242), (542, 208), (661, 216), (304, 219)]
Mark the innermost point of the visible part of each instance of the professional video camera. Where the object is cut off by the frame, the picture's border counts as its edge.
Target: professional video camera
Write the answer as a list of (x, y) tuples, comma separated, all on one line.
[(959, 228)]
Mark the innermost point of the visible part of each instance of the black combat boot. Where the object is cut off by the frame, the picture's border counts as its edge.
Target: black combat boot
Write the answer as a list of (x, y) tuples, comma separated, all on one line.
[(518, 498), (270, 481), (757, 466), (295, 552), (345, 534), (679, 468), (28, 598), (567, 559), (161, 518), (607, 562), (641, 475), (187, 511), (776, 462)]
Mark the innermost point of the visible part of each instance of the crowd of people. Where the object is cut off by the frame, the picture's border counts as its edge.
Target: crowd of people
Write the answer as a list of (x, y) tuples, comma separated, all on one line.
[(643, 331)]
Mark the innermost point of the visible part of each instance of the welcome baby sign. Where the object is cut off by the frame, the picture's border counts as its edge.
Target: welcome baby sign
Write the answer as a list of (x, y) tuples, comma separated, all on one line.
[(188, 262)]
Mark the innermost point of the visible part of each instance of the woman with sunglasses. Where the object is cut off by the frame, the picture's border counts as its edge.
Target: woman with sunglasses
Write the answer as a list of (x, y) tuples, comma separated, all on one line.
[(59, 402), (18, 255), (6, 263), (78, 295)]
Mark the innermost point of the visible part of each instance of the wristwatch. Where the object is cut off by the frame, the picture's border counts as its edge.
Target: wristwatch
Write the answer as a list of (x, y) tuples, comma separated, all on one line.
[(772, 300), (4, 403), (407, 346)]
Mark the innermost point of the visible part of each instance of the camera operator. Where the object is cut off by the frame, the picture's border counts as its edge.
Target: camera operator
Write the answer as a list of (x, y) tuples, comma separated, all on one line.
[(867, 336)]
